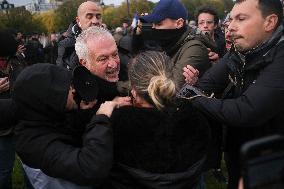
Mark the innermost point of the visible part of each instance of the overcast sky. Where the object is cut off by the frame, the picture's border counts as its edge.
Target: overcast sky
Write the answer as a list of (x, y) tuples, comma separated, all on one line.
[(24, 2)]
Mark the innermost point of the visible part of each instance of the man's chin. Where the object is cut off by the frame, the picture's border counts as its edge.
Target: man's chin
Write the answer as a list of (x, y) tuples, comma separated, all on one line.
[(112, 78)]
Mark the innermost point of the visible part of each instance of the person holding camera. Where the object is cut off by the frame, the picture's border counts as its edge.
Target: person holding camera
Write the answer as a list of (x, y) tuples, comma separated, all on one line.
[(11, 65), (250, 77), (56, 153)]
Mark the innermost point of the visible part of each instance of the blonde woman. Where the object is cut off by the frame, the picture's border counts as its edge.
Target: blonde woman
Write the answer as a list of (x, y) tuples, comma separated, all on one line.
[(158, 142)]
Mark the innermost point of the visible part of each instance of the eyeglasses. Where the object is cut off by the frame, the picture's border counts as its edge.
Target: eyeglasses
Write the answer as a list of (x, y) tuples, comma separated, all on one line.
[(207, 22)]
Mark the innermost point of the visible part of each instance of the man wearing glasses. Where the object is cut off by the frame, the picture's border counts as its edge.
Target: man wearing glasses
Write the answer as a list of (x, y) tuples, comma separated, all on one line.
[(207, 21)]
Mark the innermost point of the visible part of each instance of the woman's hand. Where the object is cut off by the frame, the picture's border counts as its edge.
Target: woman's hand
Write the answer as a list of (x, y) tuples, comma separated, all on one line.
[(107, 108)]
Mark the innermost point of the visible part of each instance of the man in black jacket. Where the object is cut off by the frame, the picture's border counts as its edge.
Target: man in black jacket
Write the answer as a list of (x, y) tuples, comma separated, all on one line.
[(45, 140), (89, 14), (251, 78)]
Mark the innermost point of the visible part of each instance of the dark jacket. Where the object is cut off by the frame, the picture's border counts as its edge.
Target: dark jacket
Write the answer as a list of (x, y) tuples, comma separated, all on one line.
[(67, 56), (154, 149), (253, 92), (8, 114), (190, 49), (44, 137)]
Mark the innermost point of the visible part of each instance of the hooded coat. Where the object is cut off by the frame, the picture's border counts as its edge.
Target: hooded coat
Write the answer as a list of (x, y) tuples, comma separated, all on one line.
[(44, 137), (190, 49)]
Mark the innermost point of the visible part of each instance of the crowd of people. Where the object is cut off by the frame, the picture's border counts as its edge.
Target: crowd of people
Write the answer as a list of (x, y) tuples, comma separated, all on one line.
[(141, 107)]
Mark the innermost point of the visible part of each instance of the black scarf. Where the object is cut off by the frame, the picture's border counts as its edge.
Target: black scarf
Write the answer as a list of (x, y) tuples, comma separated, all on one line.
[(166, 38)]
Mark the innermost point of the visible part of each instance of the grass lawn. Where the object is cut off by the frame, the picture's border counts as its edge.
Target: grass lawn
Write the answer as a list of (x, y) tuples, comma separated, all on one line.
[(19, 183)]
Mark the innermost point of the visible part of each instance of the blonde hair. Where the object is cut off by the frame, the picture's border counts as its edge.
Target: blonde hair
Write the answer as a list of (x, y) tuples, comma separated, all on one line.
[(151, 76)]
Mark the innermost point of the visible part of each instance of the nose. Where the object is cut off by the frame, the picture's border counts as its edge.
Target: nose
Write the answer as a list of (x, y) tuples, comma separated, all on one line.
[(113, 63), (95, 21), (231, 26)]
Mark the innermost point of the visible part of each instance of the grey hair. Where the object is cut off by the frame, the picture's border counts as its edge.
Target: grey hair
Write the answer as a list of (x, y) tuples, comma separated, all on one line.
[(93, 32)]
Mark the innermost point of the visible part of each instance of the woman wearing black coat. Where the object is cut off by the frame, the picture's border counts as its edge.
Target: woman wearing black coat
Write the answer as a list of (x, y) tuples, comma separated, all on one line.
[(159, 142)]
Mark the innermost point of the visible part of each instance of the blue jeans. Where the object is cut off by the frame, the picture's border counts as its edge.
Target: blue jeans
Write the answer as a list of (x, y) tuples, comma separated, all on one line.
[(7, 158), (201, 184)]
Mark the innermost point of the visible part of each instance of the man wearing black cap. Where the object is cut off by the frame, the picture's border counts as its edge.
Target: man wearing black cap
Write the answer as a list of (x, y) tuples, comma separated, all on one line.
[(181, 43), (47, 143)]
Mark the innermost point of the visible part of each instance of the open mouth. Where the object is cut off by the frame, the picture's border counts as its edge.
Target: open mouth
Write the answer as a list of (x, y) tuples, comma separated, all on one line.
[(112, 73)]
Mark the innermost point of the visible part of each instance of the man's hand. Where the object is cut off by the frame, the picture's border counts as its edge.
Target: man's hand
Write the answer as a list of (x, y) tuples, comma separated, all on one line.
[(190, 74), (21, 49), (4, 84), (122, 101), (212, 55), (106, 108)]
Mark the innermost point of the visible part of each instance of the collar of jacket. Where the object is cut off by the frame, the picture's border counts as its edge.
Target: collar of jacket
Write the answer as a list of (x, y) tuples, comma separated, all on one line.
[(190, 34), (258, 57)]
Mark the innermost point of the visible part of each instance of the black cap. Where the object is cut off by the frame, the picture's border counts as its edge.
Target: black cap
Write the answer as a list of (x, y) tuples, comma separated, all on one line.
[(85, 84)]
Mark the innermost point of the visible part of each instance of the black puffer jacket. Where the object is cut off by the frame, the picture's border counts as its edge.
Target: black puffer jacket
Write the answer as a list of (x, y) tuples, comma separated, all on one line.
[(253, 91), (45, 139), (154, 149)]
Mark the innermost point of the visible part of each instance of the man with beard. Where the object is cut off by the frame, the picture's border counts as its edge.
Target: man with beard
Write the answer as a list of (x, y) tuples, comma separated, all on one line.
[(184, 45), (251, 78), (89, 14)]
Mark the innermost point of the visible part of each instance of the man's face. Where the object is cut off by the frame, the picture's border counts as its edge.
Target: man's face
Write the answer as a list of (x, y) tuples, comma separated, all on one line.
[(206, 23), (103, 59), (247, 26), (89, 15), (19, 35), (166, 24)]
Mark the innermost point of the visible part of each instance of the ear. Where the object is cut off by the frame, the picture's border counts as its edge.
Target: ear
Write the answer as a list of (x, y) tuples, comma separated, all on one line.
[(134, 93), (179, 23), (270, 22), (83, 62), (78, 21)]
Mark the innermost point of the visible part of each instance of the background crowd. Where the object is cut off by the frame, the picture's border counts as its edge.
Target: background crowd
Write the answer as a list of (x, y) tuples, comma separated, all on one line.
[(152, 104)]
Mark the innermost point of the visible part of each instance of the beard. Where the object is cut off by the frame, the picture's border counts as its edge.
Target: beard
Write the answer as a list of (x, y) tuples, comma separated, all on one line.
[(112, 75), (237, 46)]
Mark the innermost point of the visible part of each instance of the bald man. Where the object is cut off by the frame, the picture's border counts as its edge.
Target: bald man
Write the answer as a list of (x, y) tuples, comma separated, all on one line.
[(89, 14)]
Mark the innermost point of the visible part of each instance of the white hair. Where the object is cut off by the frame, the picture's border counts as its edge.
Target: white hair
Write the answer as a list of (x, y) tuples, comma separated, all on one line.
[(93, 32)]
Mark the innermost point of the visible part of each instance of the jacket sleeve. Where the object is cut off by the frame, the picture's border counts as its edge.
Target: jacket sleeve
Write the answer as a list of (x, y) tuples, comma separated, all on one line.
[(263, 99), (86, 165), (215, 80), (193, 53)]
